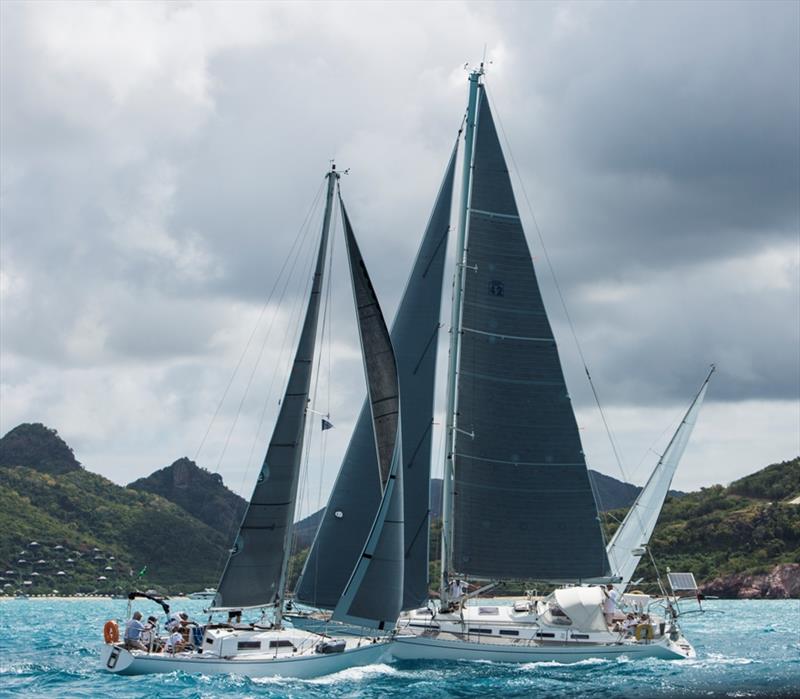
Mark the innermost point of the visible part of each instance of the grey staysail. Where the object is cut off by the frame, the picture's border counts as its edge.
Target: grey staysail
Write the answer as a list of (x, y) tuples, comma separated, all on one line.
[(374, 594), (351, 509), (256, 568), (523, 503)]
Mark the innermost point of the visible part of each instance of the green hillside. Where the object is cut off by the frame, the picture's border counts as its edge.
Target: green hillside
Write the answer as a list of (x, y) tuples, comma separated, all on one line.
[(63, 527), (66, 528), (199, 492)]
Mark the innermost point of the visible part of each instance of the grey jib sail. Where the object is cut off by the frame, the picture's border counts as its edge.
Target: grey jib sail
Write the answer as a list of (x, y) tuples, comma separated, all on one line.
[(374, 594), (357, 492), (256, 566), (523, 504)]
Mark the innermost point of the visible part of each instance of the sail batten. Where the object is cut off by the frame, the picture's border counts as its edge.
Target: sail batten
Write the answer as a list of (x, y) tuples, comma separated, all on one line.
[(523, 506), (356, 494)]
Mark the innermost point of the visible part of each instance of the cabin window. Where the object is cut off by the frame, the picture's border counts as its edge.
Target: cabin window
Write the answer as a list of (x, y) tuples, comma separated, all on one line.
[(281, 644), (209, 640), (474, 630), (488, 610), (542, 634), (509, 632), (249, 645), (580, 635)]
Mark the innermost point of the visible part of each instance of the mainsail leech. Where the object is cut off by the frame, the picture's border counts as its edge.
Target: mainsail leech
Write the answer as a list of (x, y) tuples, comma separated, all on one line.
[(523, 506)]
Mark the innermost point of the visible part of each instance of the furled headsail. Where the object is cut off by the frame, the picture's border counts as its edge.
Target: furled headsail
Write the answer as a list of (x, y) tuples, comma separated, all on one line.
[(374, 594), (357, 492), (523, 505), (255, 572), (629, 542)]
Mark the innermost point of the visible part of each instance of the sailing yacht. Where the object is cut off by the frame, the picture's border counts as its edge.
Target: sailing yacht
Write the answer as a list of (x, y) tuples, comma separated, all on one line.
[(518, 502), (254, 577)]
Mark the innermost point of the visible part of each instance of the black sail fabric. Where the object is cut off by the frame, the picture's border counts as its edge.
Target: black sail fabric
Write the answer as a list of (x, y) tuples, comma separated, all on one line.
[(523, 503), (352, 505), (253, 573), (374, 594)]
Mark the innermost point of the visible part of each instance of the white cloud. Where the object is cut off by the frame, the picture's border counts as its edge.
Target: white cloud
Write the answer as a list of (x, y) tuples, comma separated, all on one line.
[(158, 160)]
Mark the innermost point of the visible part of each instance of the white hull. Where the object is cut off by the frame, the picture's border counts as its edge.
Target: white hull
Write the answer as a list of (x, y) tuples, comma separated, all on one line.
[(414, 647), (252, 653), (566, 627)]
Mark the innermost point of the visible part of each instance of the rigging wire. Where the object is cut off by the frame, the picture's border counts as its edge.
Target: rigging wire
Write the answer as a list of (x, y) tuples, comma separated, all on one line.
[(304, 488), (560, 294), (268, 396), (300, 234), (294, 323), (263, 347), (578, 346), (323, 436), (285, 274)]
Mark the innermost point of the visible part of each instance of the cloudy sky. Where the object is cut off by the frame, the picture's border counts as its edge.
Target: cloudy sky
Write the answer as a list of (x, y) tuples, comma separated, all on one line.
[(159, 161)]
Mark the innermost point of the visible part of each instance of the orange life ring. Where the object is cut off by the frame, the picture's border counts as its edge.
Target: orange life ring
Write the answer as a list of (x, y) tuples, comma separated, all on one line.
[(111, 632)]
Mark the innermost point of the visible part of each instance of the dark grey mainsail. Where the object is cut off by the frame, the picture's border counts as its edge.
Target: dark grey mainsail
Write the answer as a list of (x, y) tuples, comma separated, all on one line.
[(523, 504), (374, 594), (352, 505), (256, 568)]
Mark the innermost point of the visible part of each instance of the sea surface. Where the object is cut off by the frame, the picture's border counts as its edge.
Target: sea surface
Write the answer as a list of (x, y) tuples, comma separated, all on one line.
[(50, 648)]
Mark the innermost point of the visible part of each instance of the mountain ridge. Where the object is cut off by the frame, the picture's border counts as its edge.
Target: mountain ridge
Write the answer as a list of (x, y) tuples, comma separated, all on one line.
[(110, 532)]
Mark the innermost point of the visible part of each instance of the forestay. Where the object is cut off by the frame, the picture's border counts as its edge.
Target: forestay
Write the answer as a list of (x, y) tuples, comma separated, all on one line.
[(356, 494), (629, 542), (523, 504), (255, 569), (374, 594)]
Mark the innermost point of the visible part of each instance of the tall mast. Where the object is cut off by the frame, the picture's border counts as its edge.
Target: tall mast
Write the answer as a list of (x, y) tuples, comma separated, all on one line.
[(455, 335), (316, 288)]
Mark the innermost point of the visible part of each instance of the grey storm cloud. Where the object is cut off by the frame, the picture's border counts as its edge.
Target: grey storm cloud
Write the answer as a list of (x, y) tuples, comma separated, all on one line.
[(158, 162)]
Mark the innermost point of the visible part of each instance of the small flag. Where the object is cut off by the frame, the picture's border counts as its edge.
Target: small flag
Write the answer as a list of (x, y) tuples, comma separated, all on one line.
[(326, 425)]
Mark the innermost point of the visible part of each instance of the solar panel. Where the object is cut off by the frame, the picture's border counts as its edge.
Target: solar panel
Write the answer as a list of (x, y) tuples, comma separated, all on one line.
[(682, 581)]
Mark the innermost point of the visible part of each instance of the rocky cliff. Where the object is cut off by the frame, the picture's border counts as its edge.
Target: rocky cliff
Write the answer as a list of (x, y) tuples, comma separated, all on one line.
[(782, 582)]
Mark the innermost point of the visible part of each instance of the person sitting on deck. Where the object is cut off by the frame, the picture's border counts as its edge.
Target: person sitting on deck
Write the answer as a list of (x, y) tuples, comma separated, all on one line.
[(149, 637), (628, 625), (175, 642), (173, 622), (133, 632)]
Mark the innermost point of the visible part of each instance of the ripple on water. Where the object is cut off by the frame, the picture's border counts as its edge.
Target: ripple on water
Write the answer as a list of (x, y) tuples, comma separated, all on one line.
[(750, 650)]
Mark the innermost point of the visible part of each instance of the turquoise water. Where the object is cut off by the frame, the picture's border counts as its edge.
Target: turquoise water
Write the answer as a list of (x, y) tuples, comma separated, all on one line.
[(49, 648)]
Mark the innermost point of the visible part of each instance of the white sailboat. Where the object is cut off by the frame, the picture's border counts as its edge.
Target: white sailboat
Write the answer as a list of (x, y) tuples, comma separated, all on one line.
[(255, 575), (518, 503)]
